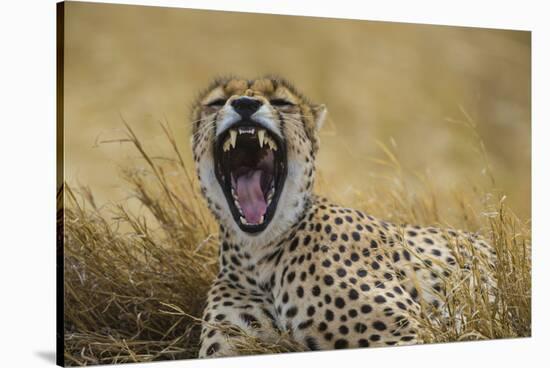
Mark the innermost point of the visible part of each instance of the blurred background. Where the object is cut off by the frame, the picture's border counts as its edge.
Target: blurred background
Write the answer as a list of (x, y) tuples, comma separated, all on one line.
[(419, 90)]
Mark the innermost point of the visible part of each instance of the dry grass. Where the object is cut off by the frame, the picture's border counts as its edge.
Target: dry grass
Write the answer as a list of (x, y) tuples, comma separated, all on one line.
[(135, 285)]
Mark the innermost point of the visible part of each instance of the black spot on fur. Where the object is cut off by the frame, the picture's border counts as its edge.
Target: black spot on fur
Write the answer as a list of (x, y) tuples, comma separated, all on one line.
[(291, 312), (366, 309), (341, 344), (293, 245), (360, 327), (312, 343), (248, 319), (212, 348), (305, 324)]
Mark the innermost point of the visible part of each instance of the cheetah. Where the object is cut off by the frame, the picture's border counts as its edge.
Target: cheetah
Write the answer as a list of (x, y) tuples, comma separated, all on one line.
[(291, 261)]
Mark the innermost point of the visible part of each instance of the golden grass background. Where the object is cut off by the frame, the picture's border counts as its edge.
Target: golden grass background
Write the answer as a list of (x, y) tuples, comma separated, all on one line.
[(380, 81), (427, 124)]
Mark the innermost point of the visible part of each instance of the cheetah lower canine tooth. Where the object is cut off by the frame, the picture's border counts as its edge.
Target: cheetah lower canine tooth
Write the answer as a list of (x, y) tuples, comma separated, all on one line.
[(227, 145)]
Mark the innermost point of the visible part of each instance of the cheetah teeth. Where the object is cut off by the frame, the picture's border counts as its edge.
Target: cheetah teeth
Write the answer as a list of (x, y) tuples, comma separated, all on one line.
[(270, 195), (271, 143), (233, 138), (263, 138), (243, 221), (236, 201)]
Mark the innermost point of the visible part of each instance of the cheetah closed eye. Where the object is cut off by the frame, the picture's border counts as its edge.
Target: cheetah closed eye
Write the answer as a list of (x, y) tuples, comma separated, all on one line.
[(291, 261)]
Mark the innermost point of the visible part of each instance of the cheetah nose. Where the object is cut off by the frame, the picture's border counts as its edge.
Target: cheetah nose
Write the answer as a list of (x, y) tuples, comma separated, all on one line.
[(246, 106)]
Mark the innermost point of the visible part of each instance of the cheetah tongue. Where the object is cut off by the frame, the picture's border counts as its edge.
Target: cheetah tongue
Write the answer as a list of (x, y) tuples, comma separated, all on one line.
[(251, 197)]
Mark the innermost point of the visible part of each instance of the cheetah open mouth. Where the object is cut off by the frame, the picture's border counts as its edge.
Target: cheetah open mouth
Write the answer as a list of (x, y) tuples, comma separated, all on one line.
[(251, 169)]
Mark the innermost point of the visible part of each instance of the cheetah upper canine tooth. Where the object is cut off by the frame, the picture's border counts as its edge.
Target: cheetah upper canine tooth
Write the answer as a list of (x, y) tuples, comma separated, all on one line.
[(261, 136), (233, 137)]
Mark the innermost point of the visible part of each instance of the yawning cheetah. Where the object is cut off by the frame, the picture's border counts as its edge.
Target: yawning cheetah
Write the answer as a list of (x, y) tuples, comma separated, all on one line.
[(290, 261)]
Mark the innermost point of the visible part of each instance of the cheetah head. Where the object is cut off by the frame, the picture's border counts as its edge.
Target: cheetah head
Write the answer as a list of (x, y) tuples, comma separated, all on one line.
[(254, 145)]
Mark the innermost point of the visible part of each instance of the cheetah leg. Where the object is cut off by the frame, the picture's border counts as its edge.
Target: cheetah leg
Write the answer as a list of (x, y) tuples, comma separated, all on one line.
[(231, 314)]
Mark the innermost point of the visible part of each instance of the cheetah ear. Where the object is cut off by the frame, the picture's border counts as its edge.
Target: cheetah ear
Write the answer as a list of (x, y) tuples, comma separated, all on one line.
[(320, 113)]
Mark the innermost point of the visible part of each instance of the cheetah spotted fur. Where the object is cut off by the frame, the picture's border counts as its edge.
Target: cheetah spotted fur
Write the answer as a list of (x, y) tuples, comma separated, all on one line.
[(293, 262)]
